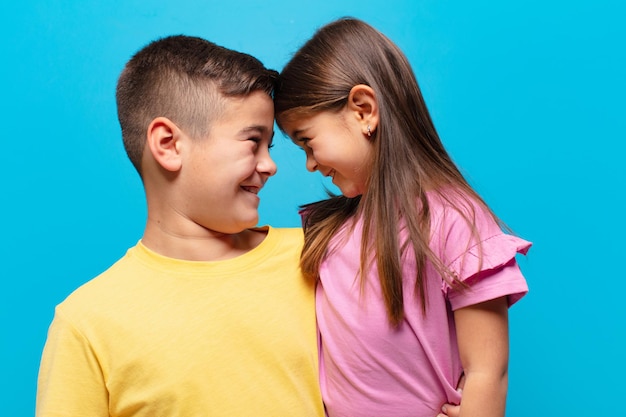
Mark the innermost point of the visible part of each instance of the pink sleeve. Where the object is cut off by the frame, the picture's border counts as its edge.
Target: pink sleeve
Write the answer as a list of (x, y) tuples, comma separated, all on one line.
[(485, 261), (488, 285)]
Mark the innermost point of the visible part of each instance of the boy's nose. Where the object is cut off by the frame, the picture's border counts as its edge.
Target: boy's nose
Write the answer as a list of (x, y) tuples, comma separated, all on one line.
[(267, 165)]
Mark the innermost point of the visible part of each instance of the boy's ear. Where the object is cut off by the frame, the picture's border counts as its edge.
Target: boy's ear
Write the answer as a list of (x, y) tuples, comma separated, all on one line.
[(164, 143), (363, 102)]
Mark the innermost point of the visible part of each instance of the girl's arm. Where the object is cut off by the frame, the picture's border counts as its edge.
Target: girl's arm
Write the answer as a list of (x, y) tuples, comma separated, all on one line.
[(483, 337)]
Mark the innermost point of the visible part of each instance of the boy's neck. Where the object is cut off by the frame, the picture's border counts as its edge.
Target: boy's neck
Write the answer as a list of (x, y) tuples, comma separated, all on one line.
[(210, 246)]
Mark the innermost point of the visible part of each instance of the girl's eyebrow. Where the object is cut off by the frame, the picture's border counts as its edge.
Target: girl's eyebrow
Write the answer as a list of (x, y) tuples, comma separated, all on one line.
[(296, 133)]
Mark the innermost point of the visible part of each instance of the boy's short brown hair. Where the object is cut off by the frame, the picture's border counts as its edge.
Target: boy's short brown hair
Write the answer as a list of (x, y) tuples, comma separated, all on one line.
[(183, 78)]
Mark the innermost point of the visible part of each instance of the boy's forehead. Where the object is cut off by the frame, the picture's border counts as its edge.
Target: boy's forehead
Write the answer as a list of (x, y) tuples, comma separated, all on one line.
[(255, 99), (253, 113)]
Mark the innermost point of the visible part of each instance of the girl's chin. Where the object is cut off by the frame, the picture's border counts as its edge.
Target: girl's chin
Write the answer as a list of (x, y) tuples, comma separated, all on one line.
[(350, 193), (349, 190)]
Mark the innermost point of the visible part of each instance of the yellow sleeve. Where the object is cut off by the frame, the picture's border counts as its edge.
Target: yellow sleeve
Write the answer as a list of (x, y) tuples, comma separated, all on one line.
[(70, 380)]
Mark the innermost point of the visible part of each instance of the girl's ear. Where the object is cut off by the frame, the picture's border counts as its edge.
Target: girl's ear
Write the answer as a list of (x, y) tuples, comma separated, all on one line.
[(164, 143), (362, 101)]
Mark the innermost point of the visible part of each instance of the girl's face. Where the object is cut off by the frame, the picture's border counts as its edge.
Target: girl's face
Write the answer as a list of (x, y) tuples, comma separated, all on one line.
[(336, 146)]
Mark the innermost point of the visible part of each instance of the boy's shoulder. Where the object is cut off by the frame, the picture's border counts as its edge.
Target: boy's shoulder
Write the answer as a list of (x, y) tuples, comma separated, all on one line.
[(281, 234), (278, 253), (294, 233), (96, 287), (281, 240)]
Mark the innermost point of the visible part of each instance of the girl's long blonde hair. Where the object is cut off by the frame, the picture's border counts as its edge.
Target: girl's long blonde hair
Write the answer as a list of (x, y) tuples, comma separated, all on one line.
[(409, 156)]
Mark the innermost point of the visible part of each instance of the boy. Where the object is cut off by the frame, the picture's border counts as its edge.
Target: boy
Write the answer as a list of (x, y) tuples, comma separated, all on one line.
[(206, 315)]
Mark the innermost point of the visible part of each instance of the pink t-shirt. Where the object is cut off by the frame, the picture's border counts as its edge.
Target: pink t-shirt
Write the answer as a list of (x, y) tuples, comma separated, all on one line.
[(368, 368)]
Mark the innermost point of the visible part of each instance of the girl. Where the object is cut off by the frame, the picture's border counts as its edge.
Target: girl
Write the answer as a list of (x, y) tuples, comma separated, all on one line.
[(415, 275)]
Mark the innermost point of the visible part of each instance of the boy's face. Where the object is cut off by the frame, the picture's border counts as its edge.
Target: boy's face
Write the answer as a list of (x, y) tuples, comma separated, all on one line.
[(224, 172)]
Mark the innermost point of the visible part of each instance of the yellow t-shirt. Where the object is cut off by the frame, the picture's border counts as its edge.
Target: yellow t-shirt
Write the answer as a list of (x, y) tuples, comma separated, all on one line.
[(156, 336)]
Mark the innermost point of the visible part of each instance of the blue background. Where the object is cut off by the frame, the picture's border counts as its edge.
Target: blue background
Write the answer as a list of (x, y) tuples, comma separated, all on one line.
[(527, 95)]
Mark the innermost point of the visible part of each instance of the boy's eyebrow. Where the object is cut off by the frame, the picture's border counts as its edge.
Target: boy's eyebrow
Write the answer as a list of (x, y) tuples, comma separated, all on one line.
[(257, 128)]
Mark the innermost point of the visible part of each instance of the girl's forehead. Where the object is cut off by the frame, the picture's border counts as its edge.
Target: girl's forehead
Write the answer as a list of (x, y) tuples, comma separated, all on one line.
[(293, 123)]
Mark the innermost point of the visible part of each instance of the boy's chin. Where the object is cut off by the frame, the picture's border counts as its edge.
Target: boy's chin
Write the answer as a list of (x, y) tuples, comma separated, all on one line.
[(239, 226), (249, 224)]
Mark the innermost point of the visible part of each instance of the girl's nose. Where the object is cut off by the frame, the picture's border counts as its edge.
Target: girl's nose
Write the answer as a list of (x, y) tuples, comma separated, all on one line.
[(311, 163)]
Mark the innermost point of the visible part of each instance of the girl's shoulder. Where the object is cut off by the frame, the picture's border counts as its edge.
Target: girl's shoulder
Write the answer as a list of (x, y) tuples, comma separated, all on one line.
[(455, 208), (459, 220), (463, 225)]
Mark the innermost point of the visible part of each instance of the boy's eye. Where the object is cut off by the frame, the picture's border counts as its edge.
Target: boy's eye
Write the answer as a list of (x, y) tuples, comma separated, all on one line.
[(258, 140)]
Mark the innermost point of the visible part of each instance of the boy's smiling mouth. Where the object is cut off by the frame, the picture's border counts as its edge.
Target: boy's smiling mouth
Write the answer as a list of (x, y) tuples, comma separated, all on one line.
[(251, 189)]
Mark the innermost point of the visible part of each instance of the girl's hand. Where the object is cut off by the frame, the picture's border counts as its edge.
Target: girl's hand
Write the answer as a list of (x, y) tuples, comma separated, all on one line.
[(451, 410)]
